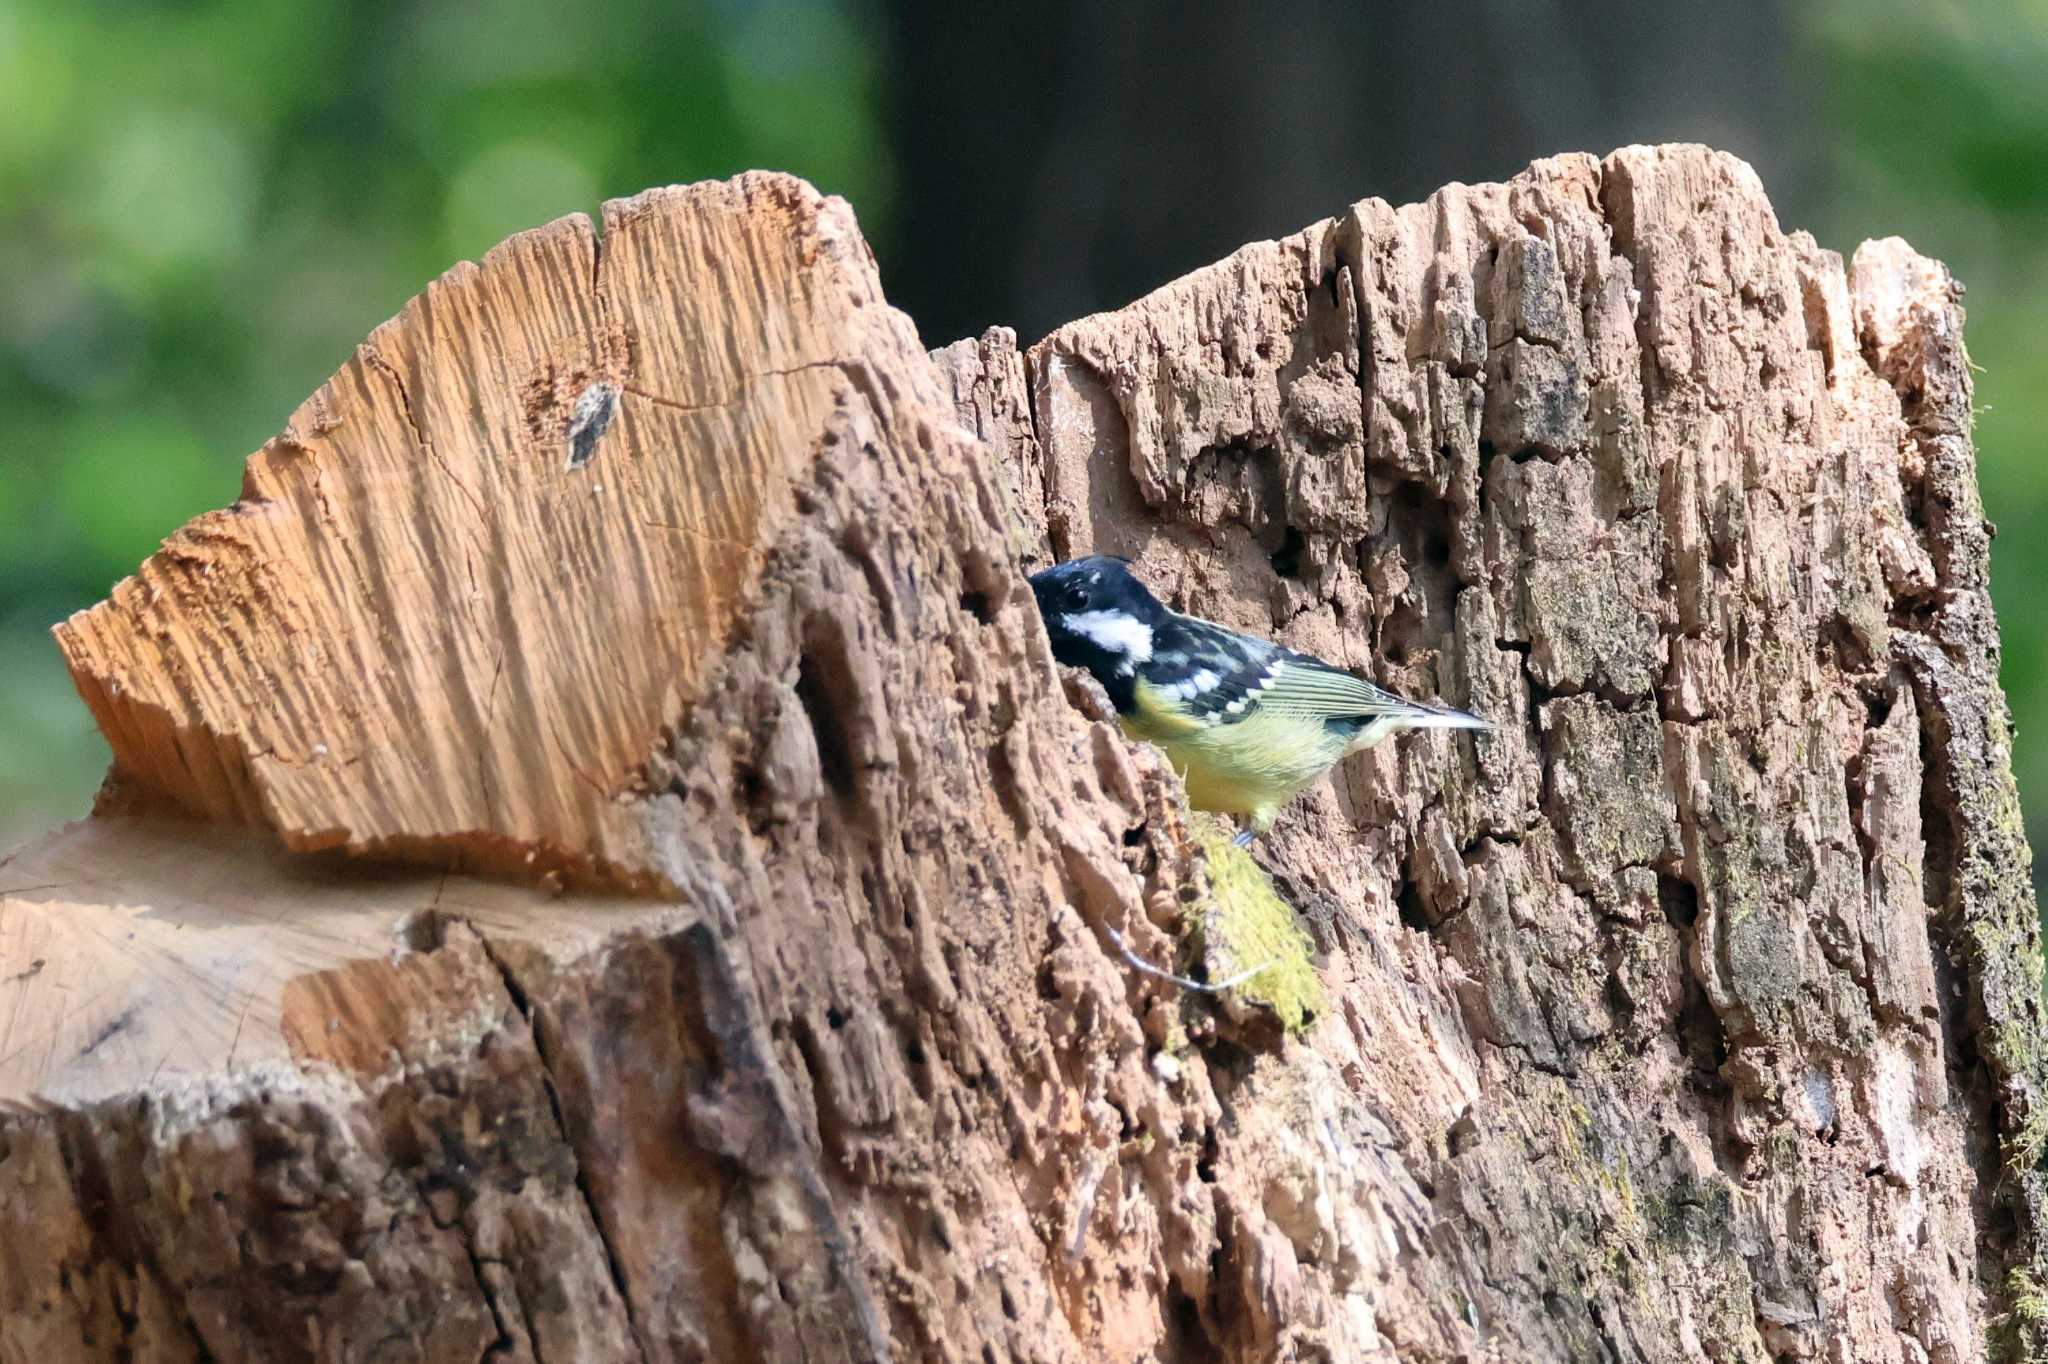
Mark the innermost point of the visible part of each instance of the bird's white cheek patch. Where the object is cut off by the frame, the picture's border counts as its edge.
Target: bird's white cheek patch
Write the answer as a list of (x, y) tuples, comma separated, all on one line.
[(1115, 632)]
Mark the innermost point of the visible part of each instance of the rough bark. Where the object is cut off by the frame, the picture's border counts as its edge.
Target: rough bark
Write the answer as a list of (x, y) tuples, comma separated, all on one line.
[(1688, 1016)]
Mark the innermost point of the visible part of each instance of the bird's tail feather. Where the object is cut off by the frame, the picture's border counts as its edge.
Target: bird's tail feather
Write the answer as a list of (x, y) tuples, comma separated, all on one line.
[(1416, 716)]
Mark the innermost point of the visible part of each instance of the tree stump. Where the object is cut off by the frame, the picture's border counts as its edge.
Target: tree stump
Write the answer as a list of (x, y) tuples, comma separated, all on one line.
[(600, 862)]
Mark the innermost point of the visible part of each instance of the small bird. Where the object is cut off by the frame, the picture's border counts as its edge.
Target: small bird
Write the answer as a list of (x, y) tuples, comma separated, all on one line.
[(1248, 723)]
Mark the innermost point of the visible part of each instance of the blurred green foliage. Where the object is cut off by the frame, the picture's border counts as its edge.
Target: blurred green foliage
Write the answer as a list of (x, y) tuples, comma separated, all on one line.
[(204, 206), (1937, 114)]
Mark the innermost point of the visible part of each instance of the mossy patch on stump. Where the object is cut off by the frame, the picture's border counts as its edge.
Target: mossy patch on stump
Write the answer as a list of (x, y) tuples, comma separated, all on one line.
[(1243, 922)]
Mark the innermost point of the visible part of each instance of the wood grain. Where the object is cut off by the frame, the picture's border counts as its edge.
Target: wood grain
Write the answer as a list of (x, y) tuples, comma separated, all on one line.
[(152, 952), (480, 570)]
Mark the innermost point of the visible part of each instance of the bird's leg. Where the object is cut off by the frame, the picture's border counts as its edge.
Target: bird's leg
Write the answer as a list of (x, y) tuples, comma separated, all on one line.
[(1260, 823)]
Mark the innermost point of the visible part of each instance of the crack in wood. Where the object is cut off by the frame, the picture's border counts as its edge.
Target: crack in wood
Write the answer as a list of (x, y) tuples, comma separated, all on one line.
[(537, 1035)]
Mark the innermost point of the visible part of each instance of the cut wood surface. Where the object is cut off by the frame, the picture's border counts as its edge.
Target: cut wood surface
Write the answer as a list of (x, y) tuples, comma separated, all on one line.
[(162, 951), (480, 570), (1690, 1015)]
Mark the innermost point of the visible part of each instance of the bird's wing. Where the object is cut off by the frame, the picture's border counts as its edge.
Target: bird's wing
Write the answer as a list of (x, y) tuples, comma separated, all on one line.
[(1209, 673), (1308, 686), (1281, 680)]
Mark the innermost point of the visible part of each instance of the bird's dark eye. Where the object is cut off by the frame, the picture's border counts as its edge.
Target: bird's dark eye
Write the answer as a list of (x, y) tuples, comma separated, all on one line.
[(1077, 596)]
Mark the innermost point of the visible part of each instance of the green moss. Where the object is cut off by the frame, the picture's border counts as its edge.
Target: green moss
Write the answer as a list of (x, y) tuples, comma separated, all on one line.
[(2015, 1047), (1693, 1214), (2020, 1334), (2029, 1298), (1621, 1186), (1243, 922), (2025, 1147)]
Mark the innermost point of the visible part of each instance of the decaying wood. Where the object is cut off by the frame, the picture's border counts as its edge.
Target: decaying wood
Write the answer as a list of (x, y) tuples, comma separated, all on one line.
[(1687, 1016)]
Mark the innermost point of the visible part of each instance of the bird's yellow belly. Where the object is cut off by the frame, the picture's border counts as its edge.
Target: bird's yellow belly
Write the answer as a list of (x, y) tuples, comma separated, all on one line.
[(1250, 768)]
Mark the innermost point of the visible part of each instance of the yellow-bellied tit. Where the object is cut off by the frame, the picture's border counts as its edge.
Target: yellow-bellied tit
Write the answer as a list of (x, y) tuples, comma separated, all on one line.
[(1247, 722)]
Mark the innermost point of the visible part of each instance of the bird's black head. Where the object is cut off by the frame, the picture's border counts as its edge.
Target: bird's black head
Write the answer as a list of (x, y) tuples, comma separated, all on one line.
[(1099, 617)]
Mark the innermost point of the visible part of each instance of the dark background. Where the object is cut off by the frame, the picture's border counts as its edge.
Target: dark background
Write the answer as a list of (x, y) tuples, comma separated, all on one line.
[(204, 206), (1052, 167)]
